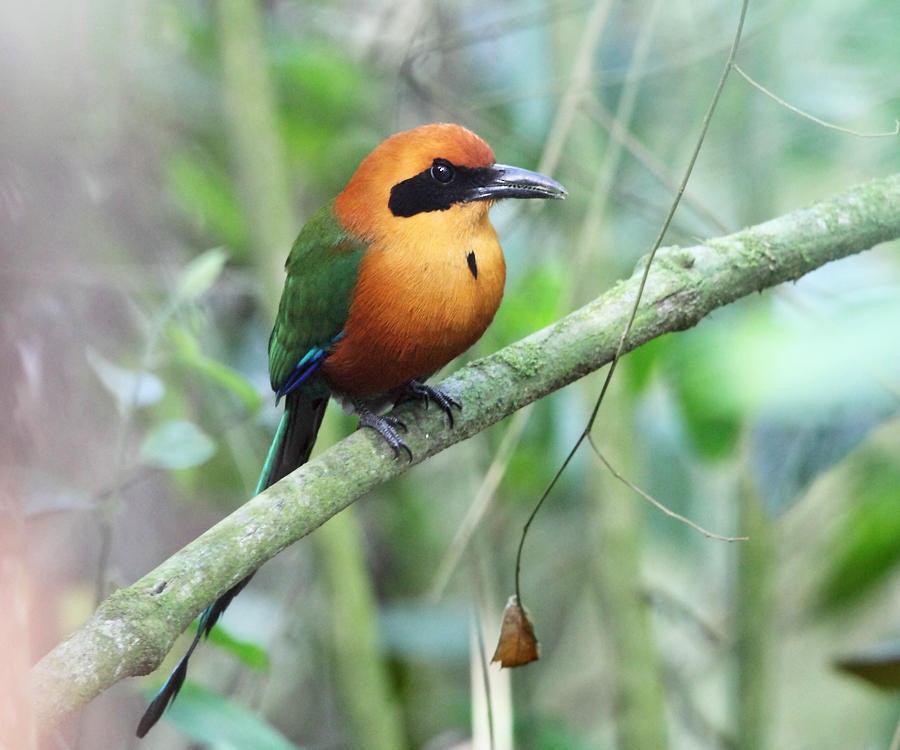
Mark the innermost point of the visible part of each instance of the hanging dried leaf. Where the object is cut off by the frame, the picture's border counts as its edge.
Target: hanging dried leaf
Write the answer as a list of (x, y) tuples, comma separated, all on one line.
[(518, 644)]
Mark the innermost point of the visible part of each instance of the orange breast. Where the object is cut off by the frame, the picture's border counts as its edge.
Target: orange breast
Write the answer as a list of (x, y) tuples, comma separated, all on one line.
[(423, 297)]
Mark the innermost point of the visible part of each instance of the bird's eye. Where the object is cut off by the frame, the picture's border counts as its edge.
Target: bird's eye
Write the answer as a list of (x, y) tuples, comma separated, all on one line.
[(442, 171)]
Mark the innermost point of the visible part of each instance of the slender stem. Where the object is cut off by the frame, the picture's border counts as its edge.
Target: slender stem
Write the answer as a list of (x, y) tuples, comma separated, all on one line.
[(707, 119), (806, 115)]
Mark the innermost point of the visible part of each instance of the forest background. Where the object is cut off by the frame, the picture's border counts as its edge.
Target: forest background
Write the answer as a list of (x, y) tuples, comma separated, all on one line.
[(158, 159)]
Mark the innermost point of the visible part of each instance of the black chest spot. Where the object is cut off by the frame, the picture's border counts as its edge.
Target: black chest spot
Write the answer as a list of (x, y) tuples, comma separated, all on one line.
[(473, 265)]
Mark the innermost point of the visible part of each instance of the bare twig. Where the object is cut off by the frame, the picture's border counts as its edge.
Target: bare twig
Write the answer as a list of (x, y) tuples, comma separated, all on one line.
[(759, 87), (657, 504), (626, 330)]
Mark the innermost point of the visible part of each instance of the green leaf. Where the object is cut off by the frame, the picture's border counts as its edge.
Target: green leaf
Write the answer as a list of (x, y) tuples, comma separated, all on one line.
[(712, 425), (789, 452), (251, 654), (759, 359), (643, 361), (130, 388), (200, 274), (756, 361), (177, 444), (531, 304), (229, 379), (865, 547), (203, 189), (189, 355), (220, 724)]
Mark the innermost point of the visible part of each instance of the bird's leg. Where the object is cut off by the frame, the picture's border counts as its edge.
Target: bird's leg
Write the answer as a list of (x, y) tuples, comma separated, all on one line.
[(388, 427), (416, 390)]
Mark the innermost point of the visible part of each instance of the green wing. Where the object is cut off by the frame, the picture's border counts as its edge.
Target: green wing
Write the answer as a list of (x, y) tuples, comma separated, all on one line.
[(321, 273)]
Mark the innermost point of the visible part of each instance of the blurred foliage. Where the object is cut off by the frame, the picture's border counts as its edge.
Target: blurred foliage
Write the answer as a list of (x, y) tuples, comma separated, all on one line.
[(132, 297), (251, 654), (219, 724), (880, 665), (864, 546)]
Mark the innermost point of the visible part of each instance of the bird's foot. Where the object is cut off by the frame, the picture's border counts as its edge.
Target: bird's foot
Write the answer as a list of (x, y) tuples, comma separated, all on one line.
[(416, 390), (388, 427)]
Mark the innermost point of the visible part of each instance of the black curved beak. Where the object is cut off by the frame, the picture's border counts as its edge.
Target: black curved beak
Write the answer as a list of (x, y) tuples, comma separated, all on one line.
[(505, 181)]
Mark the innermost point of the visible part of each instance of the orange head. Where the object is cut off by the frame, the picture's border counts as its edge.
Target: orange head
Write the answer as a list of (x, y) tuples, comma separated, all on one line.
[(432, 276), (428, 169)]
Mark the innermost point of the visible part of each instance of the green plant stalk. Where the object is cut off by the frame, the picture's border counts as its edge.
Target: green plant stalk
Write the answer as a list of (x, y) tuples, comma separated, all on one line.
[(256, 147), (131, 632), (753, 611), (636, 678), (258, 155), (370, 704)]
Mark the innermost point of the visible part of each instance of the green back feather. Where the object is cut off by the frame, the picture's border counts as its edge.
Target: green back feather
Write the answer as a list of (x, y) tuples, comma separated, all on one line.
[(321, 273)]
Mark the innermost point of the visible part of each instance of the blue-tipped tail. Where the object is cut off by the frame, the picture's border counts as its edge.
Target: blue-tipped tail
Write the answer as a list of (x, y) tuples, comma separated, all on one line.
[(291, 446)]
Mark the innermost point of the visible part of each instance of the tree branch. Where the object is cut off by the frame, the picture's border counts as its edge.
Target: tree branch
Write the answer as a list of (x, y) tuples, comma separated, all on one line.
[(131, 632)]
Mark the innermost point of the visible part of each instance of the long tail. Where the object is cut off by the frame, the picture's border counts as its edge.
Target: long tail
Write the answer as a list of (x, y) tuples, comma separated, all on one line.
[(291, 446)]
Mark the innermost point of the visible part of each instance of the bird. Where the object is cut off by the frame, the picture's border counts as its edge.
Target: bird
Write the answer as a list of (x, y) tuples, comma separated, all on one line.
[(385, 284)]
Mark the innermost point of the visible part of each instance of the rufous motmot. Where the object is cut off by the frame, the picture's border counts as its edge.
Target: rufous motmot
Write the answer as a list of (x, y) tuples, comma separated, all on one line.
[(385, 285)]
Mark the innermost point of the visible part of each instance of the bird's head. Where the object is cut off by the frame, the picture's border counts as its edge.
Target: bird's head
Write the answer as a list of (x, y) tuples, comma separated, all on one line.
[(432, 168)]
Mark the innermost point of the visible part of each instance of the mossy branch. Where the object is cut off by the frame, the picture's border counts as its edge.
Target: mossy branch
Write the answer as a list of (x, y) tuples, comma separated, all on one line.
[(133, 629)]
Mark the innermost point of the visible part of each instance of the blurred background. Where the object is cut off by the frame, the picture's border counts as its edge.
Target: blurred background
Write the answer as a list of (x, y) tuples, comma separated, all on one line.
[(157, 161)]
